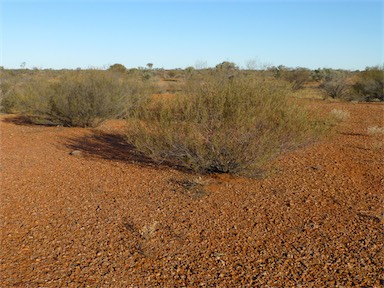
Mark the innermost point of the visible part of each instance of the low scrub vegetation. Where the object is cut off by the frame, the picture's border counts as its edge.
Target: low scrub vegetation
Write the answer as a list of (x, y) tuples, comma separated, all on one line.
[(370, 84), (85, 99), (221, 119), (334, 84), (223, 124), (297, 77), (76, 98)]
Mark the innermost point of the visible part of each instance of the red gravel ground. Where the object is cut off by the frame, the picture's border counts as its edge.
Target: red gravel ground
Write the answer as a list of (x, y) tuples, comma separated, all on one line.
[(107, 218)]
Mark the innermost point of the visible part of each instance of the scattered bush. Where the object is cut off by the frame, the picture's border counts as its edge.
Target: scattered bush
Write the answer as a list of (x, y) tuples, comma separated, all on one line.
[(85, 99), (76, 98), (222, 125), (370, 84), (226, 66), (297, 77), (334, 84), (118, 68)]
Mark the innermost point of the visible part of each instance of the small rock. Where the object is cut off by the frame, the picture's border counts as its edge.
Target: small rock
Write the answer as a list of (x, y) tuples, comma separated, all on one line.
[(75, 153)]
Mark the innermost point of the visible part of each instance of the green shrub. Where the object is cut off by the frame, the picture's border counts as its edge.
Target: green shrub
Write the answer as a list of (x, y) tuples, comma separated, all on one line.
[(85, 99), (222, 125), (27, 97), (75, 98), (117, 68), (370, 84)]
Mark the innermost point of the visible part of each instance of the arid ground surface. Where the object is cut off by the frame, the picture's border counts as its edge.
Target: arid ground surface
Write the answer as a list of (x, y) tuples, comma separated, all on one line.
[(108, 218)]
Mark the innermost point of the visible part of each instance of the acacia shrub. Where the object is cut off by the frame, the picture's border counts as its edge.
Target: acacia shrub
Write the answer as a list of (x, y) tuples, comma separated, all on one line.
[(26, 95), (220, 124), (75, 98)]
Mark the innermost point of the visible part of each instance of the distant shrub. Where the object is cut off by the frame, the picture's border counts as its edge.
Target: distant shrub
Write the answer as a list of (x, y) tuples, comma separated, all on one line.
[(222, 125), (297, 76), (189, 71), (334, 84), (370, 84), (226, 66), (119, 68)]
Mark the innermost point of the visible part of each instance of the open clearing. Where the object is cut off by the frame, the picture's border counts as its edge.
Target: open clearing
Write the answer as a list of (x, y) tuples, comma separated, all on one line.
[(108, 218)]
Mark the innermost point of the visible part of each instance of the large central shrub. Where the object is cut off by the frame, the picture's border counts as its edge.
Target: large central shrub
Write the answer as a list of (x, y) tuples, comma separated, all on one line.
[(222, 125)]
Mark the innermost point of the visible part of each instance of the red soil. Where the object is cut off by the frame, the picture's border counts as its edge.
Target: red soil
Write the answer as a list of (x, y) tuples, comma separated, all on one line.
[(109, 218)]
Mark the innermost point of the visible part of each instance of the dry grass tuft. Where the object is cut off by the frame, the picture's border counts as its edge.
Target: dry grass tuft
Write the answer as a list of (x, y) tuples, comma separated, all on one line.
[(340, 115), (375, 130)]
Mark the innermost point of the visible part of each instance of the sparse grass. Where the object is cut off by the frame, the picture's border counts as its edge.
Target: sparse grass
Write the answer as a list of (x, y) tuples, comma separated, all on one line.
[(148, 231), (375, 130), (223, 125), (308, 93), (340, 115), (376, 141)]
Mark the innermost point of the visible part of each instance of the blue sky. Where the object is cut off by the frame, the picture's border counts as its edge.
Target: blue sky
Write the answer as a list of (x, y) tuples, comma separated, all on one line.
[(176, 34)]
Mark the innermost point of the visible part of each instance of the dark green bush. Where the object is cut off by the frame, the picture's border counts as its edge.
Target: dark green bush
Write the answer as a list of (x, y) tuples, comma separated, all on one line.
[(222, 125)]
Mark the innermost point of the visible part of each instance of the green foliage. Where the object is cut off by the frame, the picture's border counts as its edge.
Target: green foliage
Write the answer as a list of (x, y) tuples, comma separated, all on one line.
[(222, 125), (227, 67), (370, 84), (119, 68), (189, 71)]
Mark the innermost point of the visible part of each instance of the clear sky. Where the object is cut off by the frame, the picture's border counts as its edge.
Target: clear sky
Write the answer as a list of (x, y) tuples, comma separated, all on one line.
[(176, 34)]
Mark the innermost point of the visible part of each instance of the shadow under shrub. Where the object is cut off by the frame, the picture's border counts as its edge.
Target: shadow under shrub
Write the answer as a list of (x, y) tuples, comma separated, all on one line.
[(222, 125)]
